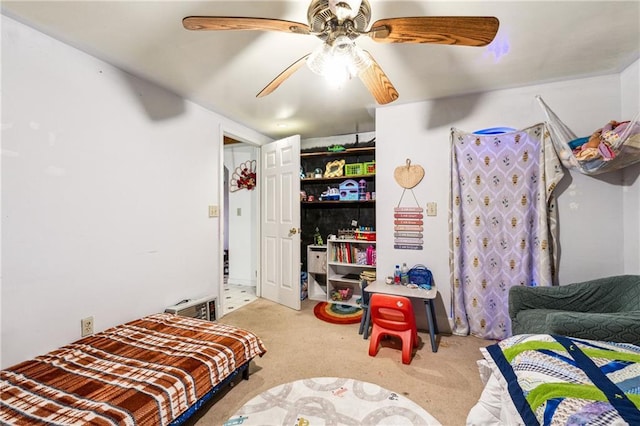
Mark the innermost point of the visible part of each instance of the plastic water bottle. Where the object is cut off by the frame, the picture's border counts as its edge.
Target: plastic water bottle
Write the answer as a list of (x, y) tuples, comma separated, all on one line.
[(404, 274), (396, 275)]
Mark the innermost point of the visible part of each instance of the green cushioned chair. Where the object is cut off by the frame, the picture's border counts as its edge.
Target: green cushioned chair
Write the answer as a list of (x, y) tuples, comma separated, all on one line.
[(602, 309)]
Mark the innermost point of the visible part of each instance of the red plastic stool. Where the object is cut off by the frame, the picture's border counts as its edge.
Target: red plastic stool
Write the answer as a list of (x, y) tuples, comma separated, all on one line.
[(392, 315)]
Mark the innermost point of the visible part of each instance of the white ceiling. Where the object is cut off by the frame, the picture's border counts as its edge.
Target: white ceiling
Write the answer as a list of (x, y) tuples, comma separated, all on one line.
[(537, 42)]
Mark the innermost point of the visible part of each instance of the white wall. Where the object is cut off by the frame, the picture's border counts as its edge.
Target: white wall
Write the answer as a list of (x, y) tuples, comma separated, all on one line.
[(243, 212), (630, 88), (591, 209), (106, 181)]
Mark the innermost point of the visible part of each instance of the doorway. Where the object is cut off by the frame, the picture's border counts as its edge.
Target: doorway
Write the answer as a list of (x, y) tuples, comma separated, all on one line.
[(264, 229), (240, 216)]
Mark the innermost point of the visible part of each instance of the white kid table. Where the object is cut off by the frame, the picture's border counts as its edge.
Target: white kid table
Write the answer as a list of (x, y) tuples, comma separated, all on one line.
[(427, 296)]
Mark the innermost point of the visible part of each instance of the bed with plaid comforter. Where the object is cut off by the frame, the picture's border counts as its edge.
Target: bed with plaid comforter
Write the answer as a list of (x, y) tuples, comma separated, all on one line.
[(150, 371)]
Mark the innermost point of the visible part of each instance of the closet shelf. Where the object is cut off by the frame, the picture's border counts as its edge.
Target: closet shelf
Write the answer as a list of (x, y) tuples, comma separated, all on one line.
[(369, 150), (337, 178), (612, 147), (334, 202)]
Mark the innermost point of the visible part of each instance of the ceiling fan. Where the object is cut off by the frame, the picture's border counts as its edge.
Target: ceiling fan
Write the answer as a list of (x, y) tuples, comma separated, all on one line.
[(339, 22)]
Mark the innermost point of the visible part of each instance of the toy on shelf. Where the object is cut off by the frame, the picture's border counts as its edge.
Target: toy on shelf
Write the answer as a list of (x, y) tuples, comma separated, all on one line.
[(317, 238), (349, 190), (346, 234), (334, 169), (362, 190), (331, 194)]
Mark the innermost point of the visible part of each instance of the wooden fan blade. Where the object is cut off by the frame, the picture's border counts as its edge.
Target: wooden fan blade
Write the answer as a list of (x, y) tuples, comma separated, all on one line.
[(462, 30), (276, 82), (378, 83), (221, 23)]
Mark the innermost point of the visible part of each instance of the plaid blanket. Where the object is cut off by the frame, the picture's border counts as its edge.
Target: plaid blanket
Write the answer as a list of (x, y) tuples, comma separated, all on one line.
[(144, 372), (561, 380)]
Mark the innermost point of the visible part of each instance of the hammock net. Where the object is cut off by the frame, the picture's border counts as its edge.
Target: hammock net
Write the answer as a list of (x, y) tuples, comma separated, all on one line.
[(612, 147)]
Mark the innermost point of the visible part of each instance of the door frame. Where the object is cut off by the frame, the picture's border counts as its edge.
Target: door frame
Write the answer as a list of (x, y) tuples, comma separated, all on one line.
[(225, 131)]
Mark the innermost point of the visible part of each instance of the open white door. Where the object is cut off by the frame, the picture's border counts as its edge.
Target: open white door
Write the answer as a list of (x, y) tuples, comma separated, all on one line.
[(280, 222)]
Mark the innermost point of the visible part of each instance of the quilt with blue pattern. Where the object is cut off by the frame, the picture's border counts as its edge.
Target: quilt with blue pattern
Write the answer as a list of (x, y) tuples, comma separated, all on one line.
[(560, 380)]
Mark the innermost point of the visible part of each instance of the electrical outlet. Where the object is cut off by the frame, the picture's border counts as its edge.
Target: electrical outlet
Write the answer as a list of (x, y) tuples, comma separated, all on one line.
[(213, 211), (86, 326)]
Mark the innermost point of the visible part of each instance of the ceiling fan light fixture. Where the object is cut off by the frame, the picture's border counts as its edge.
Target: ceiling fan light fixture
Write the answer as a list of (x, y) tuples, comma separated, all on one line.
[(361, 60), (335, 68), (342, 46), (318, 58), (339, 61)]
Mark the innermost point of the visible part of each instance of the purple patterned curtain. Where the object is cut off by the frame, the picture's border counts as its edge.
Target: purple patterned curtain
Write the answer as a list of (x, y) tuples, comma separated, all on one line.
[(502, 224)]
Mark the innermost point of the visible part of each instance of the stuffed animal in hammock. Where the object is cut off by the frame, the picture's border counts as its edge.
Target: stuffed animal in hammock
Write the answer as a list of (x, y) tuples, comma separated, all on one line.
[(604, 142), (613, 131)]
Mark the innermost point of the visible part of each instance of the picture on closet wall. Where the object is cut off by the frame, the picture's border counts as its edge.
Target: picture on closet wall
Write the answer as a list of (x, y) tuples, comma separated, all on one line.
[(244, 177)]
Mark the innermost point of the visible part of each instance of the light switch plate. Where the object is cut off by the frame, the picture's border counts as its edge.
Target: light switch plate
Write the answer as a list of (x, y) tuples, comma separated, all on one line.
[(213, 211), (432, 208)]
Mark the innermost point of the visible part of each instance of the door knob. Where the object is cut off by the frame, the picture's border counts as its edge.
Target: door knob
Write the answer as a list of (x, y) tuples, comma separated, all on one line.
[(293, 231)]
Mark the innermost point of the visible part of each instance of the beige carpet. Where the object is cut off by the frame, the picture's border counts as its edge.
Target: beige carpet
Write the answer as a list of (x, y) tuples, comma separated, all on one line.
[(300, 346)]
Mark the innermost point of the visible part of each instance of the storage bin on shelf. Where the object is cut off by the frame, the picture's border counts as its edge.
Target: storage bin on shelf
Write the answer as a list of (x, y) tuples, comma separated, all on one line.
[(370, 168), (353, 169), (365, 235), (340, 294)]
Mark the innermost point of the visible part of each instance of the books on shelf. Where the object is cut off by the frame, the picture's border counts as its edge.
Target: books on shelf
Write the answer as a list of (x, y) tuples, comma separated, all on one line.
[(346, 252)]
